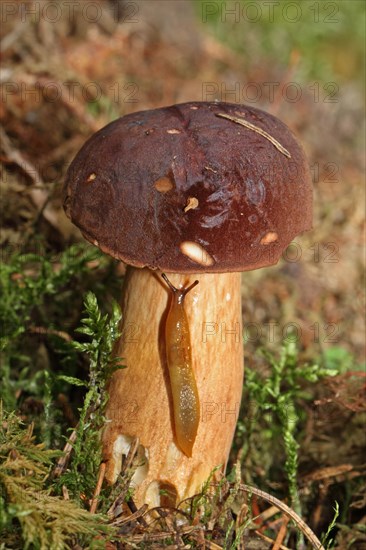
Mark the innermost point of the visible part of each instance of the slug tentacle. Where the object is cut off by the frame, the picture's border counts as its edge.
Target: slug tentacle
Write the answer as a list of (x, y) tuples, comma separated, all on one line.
[(186, 404)]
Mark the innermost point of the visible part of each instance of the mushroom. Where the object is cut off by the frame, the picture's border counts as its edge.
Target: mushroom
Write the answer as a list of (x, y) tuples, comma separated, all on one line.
[(201, 192)]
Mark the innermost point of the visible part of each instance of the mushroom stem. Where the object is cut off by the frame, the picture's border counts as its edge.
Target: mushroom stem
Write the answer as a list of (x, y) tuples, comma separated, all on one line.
[(141, 403)]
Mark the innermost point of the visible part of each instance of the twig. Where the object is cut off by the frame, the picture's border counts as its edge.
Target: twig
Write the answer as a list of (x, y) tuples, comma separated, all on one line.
[(163, 535), (199, 537), (131, 455), (132, 506), (256, 129), (312, 538), (268, 539), (328, 472), (63, 460), (174, 530), (281, 534), (94, 502), (267, 514), (51, 331), (115, 509), (138, 515), (210, 545)]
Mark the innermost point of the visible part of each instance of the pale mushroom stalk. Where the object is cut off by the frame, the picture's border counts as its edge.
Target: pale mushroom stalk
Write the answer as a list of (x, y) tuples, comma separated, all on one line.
[(201, 191), (213, 309)]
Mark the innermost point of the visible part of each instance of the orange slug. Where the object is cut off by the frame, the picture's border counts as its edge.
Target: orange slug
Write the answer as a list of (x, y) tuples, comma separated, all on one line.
[(186, 405)]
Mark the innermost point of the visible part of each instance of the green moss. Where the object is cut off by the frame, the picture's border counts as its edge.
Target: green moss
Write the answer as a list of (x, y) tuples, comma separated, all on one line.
[(31, 516)]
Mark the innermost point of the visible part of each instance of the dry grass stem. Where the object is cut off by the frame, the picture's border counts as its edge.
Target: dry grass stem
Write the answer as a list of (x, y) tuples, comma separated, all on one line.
[(263, 133)]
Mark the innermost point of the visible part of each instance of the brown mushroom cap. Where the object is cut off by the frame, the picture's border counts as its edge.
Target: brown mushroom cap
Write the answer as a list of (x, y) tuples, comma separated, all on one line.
[(184, 189)]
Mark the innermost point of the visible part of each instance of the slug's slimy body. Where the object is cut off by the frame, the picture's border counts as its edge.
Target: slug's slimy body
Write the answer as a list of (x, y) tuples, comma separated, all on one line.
[(186, 404)]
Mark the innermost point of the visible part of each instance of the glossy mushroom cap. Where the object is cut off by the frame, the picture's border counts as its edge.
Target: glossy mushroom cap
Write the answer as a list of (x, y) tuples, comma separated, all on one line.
[(213, 187)]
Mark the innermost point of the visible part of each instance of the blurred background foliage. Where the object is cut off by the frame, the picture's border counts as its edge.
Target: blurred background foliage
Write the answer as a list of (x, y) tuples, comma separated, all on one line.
[(328, 36), (65, 75)]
